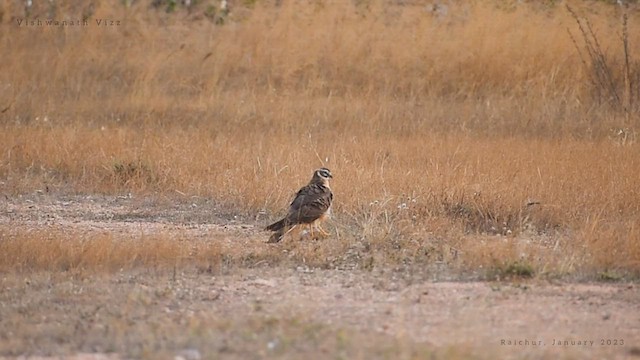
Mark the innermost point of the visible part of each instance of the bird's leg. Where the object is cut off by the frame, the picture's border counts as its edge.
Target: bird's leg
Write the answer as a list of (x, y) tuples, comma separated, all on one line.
[(288, 231), (322, 231)]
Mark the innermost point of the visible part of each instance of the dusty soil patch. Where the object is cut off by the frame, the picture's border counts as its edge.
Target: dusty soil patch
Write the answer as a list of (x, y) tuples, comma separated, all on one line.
[(292, 313), (121, 214), (286, 312)]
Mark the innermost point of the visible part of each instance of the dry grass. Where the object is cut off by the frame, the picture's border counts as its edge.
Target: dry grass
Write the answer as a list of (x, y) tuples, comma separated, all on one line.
[(40, 250), (440, 129)]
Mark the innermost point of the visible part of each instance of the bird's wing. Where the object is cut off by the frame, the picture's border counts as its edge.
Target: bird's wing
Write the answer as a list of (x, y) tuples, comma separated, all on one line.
[(310, 203)]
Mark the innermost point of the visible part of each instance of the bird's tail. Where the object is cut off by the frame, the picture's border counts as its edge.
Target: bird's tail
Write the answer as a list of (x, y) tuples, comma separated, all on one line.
[(280, 227), (276, 237)]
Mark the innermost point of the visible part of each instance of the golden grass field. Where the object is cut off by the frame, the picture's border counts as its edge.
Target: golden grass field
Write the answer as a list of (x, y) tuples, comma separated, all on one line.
[(439, 128), (469, 135)]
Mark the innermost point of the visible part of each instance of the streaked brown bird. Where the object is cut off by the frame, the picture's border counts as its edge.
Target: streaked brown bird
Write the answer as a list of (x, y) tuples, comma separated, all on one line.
[(311, 206)]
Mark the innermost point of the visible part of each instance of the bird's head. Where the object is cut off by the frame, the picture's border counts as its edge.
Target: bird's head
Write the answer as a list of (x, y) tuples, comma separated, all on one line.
[(322, 175)]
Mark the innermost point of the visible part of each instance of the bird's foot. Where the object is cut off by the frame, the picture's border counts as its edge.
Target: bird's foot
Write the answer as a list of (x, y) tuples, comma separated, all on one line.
[(323, 232)]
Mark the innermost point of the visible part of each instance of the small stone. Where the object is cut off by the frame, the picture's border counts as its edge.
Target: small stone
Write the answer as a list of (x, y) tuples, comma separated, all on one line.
[(188, 354), (272, 344)]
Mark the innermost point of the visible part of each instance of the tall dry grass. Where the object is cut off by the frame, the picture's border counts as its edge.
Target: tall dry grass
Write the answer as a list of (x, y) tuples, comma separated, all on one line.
[(471, 136)]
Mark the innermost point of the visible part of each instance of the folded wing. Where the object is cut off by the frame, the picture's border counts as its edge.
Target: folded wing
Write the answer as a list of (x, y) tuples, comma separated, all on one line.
[(310, 203)]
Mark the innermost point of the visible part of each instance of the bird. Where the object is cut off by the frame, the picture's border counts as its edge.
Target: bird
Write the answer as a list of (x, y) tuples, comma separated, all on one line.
[(311, 205)]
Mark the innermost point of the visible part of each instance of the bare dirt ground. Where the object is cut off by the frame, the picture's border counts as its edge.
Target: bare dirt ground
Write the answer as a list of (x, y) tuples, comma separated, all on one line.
[(285, 312)]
